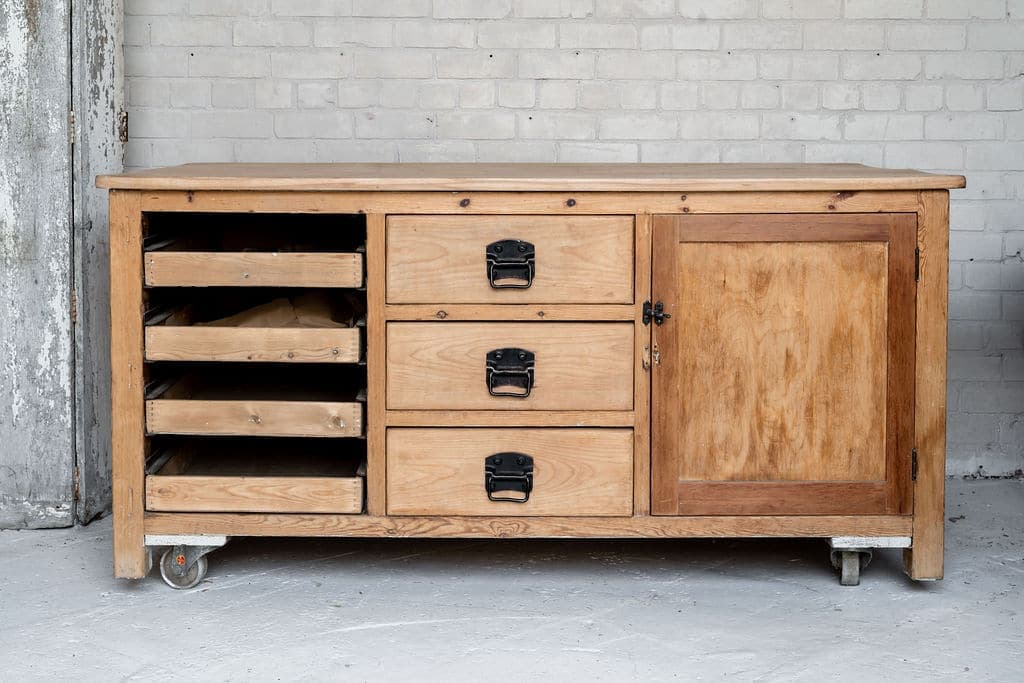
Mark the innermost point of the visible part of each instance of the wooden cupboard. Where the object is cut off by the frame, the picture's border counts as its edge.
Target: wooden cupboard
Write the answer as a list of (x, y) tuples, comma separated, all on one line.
[(477, 350)]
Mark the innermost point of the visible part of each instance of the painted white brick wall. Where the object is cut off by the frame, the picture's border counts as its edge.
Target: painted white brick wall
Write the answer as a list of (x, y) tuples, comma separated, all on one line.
[(930, 84)]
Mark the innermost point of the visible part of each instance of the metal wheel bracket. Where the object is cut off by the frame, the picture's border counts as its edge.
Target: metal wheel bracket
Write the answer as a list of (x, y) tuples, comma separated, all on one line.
[(851, 554), (187, 547)]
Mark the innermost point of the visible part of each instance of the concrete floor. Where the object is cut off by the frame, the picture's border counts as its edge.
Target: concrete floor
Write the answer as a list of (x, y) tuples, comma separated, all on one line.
[(415, 610)]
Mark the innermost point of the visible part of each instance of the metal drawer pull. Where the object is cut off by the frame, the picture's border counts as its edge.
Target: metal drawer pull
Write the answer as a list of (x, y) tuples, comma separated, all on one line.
[(510, 372), (511, 264), (508, 472)]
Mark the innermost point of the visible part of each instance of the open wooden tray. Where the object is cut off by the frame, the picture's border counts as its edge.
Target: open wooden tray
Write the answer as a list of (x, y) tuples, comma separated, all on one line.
[(245, 250), (257, 475), (310, 328), (276, 401)]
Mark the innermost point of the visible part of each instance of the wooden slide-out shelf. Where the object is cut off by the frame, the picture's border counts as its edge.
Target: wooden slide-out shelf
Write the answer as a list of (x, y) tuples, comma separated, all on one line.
[(310, 328), (257, 475), (239, 250), (274, 402)]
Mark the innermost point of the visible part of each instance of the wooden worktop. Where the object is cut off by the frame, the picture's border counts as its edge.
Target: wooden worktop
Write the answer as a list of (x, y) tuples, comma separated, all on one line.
[(529, 177)]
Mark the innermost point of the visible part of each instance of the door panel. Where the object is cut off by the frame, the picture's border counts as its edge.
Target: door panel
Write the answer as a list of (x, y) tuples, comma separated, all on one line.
[(782, 385)]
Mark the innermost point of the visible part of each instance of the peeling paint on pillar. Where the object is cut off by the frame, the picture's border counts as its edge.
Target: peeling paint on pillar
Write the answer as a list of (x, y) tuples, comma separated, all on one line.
[(98, 94), (36, 346)]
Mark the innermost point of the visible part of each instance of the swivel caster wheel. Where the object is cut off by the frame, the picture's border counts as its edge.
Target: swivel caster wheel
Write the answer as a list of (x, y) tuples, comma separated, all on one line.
[(850, 563), (176, 572)]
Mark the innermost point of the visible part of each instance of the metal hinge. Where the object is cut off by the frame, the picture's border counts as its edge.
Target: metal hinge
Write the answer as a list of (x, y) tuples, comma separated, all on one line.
[(71, 127), (913, 465), (122, 126), (917, 264)]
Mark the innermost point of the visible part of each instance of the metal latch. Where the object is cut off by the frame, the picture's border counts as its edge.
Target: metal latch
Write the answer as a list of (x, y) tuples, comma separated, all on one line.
[(508, 471), (656, 313), (510, 372), (511, 264)]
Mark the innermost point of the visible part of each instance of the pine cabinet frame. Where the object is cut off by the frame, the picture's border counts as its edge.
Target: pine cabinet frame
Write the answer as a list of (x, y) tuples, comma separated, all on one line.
[(910, 208)]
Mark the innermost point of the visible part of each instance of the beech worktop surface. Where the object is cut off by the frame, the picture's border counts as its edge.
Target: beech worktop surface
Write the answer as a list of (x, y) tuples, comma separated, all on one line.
[(468, 177)]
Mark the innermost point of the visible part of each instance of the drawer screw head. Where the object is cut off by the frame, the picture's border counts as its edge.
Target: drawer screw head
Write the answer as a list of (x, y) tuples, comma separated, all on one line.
[(464, 203), (499, 248), (441, 315), (497, 461), (520, 460), (335, 351), (499, 355), (245, 276), (570, 202), (291, 355), (522, 356)]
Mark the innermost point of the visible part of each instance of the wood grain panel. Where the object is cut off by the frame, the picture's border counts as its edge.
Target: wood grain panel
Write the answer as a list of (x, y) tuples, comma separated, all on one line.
[(901, 338), (503, 202), (253, 344), (780, 227), (376, 467), (577, 472), (642, 371), (776, 498), (925, 559), (528, 312), (252, 269), (441, 366), (522, 177), (254, 418), (500, 418), (254, 494), (781, 352), (786, 362), (128, 428), (579, 259), (510, 526)]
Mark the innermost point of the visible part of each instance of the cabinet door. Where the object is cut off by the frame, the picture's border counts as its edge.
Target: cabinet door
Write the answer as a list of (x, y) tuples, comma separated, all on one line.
[(784, 379)]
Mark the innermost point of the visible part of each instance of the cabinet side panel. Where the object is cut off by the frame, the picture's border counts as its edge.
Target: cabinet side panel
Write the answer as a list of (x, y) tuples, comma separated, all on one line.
[(925, 559), (127, 389)]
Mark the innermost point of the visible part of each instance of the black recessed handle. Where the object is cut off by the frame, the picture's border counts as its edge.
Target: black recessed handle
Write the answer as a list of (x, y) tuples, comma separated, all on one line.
[(511, 264), (508, 471), (510, 372)]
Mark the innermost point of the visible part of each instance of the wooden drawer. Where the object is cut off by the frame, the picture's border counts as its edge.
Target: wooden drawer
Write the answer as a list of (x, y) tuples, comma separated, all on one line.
[(443, 366), (253, 269), (443, 259), (254, 418), (263, 478), (255, 344), (577, 472)]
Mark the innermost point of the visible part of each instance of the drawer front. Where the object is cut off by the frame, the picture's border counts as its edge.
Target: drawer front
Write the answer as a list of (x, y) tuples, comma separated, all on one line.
[(252, 269), (254, 418), (575, 366), (248, 344), (444, 259), (576, 471), (339, 495)]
